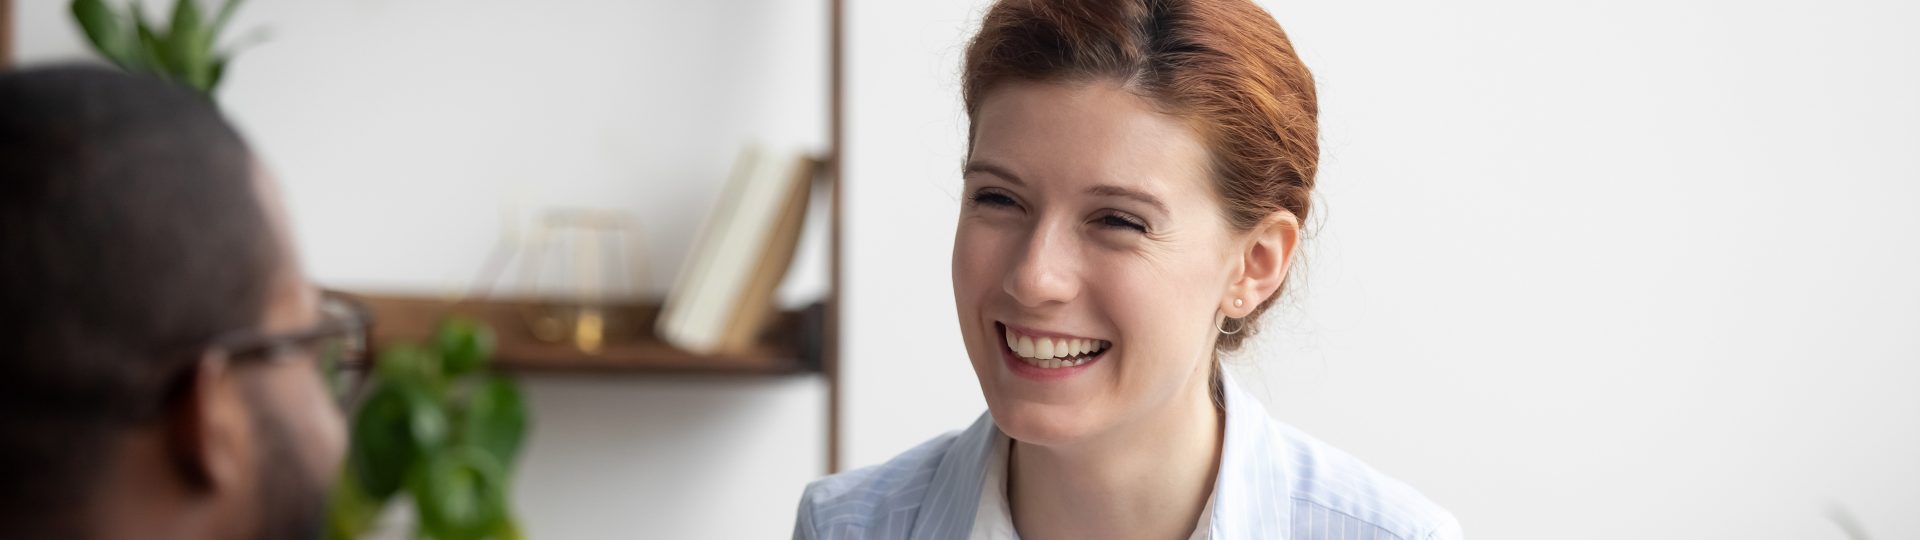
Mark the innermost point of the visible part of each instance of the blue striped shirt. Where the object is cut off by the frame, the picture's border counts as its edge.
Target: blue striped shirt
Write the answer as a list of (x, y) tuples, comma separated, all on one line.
[(1274, 482)]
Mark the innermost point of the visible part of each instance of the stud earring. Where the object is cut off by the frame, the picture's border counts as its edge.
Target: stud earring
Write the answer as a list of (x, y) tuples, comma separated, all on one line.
[(1237, 302)]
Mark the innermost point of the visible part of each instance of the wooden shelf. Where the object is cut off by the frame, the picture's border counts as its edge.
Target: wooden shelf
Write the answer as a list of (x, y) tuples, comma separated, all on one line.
[(630, 346), (804, 342)]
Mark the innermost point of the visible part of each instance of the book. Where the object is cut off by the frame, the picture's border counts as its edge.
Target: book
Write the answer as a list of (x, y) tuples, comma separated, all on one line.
[(672, 323), (723, 298), (755, 308)]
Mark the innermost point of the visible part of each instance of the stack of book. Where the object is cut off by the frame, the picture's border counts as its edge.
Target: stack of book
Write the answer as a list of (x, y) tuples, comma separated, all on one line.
[(724, 296)]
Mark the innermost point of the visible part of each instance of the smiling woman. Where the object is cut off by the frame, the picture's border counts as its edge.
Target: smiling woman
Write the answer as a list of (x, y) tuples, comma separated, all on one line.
[(1135, 182)]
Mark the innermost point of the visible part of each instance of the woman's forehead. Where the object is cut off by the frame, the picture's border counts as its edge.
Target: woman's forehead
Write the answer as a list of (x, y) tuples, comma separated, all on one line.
[(1078, 135)]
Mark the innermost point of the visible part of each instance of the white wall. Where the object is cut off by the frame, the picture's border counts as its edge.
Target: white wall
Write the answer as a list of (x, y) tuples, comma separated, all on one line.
[(410, 134), (1587, 270)]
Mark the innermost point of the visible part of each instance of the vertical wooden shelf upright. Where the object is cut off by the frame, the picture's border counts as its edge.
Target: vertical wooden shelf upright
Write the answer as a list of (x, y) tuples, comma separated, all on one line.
[(834, 175)]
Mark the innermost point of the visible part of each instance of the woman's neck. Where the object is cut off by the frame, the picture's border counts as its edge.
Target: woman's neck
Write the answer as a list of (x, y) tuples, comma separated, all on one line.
[(1148, 479)]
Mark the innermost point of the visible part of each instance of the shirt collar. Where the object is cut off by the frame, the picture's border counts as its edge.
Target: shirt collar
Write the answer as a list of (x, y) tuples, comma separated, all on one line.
[(1249, 494), (953, 496), (993, 520)]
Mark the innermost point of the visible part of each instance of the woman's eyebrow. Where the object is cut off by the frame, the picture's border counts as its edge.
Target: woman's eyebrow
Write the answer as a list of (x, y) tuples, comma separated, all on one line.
[(1102, 190), (990, 168), (1109, 190)]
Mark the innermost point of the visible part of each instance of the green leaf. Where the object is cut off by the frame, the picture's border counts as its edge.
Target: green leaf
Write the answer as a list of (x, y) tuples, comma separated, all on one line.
[(220, 21), (153, 49), (509, 530), (382, 447), (444, 438), (459, 494), (427, 420), (496, 419), (183, 51), (409, 364), (350, 512), (219, 70), (189, 44), (397, 425), (103, 28), (464, 345)]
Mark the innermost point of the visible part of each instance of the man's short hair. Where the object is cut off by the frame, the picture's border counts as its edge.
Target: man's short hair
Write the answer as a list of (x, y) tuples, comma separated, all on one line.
[(130, 237)]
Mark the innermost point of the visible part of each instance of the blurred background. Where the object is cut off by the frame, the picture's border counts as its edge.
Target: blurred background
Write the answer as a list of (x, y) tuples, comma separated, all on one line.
[(1630, 269)]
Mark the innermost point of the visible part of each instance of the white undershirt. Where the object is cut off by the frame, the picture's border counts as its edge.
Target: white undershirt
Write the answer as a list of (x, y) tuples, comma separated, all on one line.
[(994, 521)]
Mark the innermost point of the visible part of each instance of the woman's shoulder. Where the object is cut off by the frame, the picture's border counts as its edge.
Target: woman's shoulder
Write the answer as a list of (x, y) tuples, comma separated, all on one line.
[(908, 471), (884, 497), (1330, 489), (1285, 479)]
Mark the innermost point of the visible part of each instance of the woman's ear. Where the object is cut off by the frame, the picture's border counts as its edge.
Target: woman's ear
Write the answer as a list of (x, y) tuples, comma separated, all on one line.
[(1265, 256), (207, 429)]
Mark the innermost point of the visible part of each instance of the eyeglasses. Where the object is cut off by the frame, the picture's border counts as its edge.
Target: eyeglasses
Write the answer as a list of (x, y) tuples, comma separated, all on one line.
[(338, 342)]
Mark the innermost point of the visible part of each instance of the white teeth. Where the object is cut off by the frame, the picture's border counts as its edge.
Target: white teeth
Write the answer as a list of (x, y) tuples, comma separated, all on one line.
[(1051, 353), (1053, 363)]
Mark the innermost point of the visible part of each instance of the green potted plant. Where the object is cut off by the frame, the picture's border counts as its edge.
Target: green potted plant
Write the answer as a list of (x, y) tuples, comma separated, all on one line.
[(436, 427), (183, 51)]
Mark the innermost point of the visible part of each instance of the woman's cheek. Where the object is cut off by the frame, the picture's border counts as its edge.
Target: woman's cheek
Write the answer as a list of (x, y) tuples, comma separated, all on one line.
[(1144, 304), (976, 254)]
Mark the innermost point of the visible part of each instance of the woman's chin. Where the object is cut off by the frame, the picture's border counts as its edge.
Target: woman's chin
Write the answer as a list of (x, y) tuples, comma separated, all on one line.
[(1043, 424)]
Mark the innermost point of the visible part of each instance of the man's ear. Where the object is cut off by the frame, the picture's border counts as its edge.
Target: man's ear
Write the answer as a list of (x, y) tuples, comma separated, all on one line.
[(207, 429), (1265, 257)]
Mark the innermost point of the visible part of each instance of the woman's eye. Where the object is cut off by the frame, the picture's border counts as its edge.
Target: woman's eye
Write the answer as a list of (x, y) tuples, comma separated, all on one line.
[(1118, 221), (992, 198)]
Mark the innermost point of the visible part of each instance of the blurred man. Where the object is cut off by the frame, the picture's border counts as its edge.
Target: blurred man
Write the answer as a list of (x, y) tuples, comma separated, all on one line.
[(161, 352)]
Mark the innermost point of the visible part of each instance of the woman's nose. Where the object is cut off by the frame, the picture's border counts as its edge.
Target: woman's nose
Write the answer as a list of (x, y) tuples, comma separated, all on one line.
[(1045, 271)]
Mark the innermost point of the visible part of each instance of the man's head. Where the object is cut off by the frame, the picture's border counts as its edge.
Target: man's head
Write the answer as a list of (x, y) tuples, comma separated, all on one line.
[(157, 375)]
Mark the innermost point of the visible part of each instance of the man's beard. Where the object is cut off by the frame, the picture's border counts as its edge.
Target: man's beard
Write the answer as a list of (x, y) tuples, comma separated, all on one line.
[(291, 503)]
